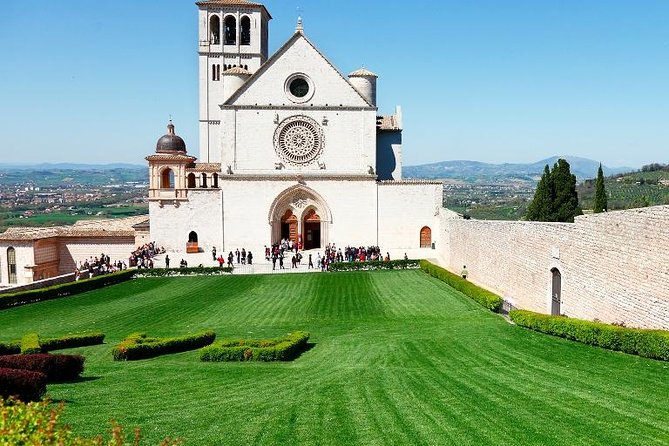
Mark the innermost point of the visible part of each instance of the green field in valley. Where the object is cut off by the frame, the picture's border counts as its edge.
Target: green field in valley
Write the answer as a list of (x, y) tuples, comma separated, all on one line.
[(397, 358)]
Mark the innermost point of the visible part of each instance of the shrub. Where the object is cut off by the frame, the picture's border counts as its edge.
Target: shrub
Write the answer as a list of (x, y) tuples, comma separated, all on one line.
[(22, 384), (140, 346), (278, 349), (71, 341), (57, 368), (373, 266), (636, 341), (10, 348), (63, 290), (30, 344), (196, 271), (486, 298), (39, 423)]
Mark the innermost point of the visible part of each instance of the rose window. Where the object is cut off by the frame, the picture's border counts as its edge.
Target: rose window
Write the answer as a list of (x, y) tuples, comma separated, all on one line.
[(298, 140)]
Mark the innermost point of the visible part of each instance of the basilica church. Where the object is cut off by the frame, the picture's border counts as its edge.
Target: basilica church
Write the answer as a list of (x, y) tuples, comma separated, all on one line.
[(289, 148)]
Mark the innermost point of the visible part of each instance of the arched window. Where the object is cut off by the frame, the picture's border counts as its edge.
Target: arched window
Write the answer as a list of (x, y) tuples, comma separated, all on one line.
[(192, 237), (213, 72), (214, 181), (230, 30), (218, 72), (245, 25), (11, 264), (426, 237), (167, 179), (215, 30), (203, 182), (191, 180)]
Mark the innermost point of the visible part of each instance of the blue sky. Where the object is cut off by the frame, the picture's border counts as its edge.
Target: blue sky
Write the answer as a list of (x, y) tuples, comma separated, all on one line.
[(499, 81)]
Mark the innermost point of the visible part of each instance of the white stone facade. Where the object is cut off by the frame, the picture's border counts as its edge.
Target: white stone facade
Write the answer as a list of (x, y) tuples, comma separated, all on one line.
[(291, 147)]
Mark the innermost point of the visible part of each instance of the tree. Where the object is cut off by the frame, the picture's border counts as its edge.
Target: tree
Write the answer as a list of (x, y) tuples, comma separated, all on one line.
[(601, 203), (540, 208), (555, 198)]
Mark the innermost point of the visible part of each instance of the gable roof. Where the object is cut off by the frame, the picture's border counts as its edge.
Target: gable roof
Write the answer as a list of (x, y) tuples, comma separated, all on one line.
[(276, 56)]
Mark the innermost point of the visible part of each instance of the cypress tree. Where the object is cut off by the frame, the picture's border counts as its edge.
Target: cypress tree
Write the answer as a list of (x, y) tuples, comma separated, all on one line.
[(601, 202), (541, 205), (556, 198)]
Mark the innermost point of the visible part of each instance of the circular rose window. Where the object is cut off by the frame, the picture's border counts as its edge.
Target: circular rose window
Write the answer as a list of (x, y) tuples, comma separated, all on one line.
[(298, 140)]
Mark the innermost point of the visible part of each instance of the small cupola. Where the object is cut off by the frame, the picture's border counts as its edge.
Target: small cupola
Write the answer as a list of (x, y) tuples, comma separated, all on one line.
[(171, 143), (233, 80), (364, 81)]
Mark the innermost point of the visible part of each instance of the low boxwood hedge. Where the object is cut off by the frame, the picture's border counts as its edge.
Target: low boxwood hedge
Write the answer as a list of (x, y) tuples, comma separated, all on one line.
[(373, 266), (71, 341), (278, 349), (22, 384), (57, 368), (636, 341), (140, 346), (486, 298), (196, 271), (30, 344), (63, 290), (10, 348)]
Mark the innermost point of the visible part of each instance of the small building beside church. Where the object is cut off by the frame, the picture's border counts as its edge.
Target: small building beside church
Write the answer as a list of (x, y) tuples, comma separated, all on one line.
[(289, 148)]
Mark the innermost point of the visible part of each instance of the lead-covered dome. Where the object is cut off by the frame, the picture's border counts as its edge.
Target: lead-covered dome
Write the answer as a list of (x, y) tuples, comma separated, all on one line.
[(170, 143)]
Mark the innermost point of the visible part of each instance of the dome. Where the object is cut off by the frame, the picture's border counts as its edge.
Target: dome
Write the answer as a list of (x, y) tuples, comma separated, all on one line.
[(236, 70), (170, 143), (362, 72)]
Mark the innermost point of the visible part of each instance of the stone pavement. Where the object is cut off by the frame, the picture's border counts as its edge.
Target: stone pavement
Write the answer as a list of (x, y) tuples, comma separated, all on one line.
[(262, 266)]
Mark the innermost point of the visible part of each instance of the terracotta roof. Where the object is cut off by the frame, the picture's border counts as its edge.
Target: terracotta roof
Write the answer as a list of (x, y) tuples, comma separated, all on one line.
[(387, 123), (237, 70), (362, 72), (169, 157), (121, 227), (204, 167), (232, 3)]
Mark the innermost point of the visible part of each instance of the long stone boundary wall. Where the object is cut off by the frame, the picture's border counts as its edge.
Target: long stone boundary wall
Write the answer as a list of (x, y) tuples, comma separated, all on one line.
[(614, 266)]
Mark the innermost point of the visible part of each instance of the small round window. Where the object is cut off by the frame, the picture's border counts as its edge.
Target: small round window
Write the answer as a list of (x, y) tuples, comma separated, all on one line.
[(299, 87)]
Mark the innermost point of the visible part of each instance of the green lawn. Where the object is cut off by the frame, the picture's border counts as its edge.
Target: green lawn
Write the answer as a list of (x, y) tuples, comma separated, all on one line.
[(399, 358)]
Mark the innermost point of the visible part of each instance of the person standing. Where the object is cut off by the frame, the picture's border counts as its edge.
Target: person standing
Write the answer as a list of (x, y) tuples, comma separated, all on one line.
[(167, 262), (249, 256), (213, 253), (464, 272), (237, 254)]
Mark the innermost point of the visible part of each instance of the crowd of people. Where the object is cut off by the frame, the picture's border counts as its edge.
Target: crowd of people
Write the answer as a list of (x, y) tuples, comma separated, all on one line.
[(94, 266), (143, 256)]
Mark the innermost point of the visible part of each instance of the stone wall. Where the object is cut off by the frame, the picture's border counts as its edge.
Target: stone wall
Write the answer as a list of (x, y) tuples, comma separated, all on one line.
[(614, 266)]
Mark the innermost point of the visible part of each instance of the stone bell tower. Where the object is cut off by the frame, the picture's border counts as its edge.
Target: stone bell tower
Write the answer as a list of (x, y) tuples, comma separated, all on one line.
[(232, 34)]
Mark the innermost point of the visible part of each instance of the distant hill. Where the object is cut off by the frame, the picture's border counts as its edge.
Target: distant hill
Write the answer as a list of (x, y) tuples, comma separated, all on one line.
[(478, 172), (70, 166)]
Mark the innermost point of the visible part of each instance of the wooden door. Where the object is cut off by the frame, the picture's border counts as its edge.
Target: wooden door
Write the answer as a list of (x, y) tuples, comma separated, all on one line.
[(426, 237)]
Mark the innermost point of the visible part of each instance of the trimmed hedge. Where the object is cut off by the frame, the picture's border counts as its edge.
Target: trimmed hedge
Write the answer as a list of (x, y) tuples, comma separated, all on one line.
[(63, 290), (373, 266), (486, 298), (10, 348), (196, 271), (71, 341), (652, 344), (22, 384), (30, 344), (57, 368), (140, 346), (278, 349)]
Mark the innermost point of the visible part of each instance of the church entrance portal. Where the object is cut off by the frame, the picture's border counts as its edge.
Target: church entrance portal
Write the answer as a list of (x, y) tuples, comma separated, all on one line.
[(289, 226), (312, 230)]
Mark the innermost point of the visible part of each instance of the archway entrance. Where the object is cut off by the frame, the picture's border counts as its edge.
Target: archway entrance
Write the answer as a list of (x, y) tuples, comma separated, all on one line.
[(289, 226), (556, 292), (312, 230), (426, 237), (192, 246)]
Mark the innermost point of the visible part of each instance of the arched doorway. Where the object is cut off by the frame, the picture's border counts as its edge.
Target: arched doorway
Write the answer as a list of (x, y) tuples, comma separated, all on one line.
[(311, 230), (289, 226), (192, 247), (556, 291), (425, 237)]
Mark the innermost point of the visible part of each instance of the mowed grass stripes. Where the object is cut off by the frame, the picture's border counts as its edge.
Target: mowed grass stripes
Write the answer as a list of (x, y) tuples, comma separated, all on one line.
[(399, 358)]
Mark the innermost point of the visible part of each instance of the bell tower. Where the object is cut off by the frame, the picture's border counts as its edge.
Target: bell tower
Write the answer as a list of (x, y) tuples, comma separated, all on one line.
[(231, 34)]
